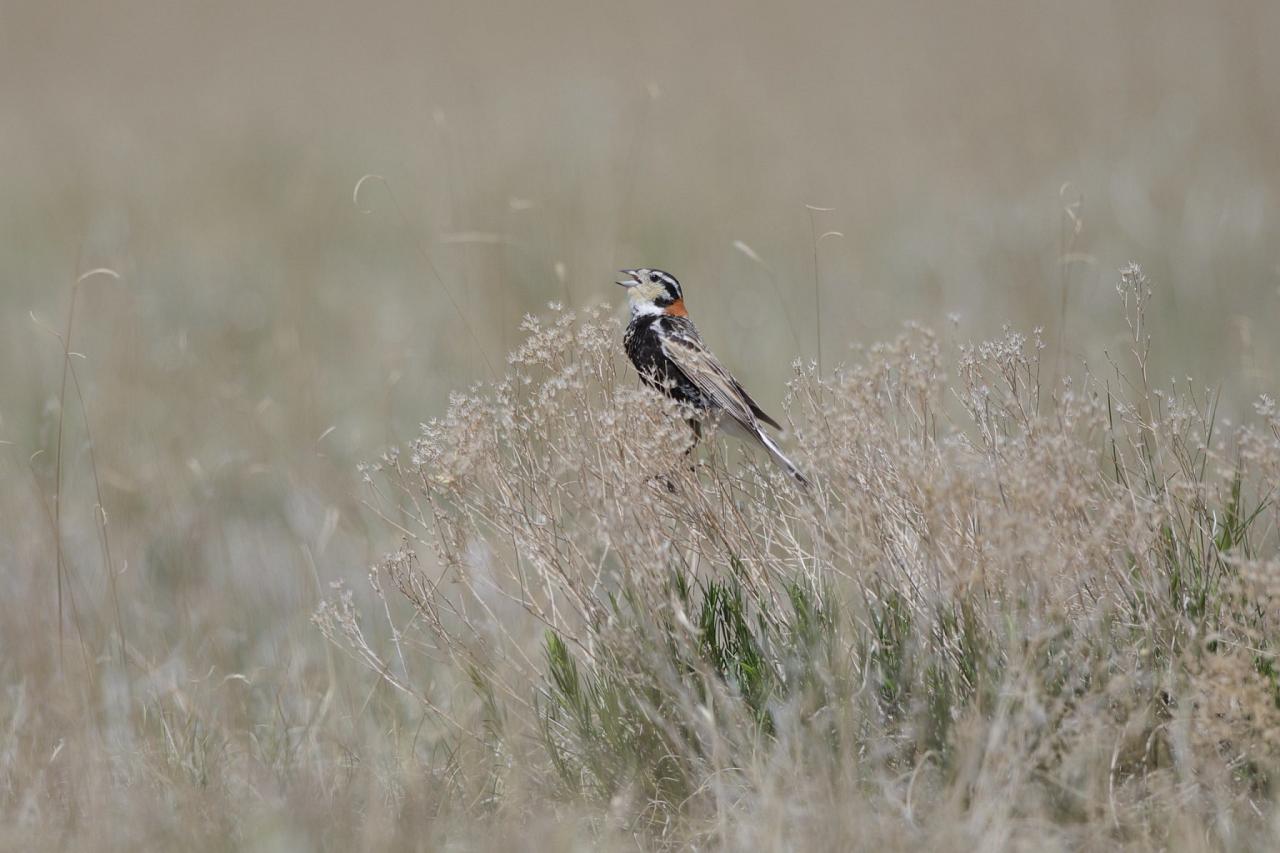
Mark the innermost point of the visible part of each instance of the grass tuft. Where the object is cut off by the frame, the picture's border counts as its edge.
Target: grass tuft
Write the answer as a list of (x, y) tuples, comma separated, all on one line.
[(1004, 606)]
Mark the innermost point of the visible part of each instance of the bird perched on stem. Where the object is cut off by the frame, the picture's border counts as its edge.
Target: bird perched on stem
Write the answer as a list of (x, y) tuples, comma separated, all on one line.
[(667, 350)]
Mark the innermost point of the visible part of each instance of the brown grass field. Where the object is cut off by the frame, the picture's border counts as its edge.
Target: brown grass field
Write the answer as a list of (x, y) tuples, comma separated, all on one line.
[(332, 516)]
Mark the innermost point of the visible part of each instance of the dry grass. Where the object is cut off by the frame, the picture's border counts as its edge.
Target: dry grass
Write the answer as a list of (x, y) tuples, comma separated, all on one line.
[(1015, 611), (1017, 614)]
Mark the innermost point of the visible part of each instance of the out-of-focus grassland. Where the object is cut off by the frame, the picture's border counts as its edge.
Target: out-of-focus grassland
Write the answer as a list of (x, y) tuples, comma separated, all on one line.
[(266, 334)]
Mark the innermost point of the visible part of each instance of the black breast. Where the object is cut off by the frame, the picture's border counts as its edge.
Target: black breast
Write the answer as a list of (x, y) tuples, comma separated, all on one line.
[(644, 348)]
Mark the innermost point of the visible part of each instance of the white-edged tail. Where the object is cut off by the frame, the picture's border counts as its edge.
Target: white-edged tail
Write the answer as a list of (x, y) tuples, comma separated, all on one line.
[(781, 458)]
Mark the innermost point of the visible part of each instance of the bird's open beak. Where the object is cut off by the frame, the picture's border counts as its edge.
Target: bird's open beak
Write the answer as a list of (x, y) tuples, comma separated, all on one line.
[(631, 281)]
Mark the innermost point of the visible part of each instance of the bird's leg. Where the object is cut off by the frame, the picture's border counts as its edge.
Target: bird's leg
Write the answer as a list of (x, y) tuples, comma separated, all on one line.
[(696, 427)]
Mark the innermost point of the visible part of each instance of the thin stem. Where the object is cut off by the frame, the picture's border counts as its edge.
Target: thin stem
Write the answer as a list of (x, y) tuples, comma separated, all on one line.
[(817, 273), (430, 264)]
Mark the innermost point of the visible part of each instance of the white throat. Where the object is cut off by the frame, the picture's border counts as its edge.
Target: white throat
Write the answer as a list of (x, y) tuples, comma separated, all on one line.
[(641, 309)]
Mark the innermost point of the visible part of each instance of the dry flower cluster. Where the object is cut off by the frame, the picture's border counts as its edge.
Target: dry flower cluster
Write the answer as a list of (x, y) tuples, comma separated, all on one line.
[(1011, 613)]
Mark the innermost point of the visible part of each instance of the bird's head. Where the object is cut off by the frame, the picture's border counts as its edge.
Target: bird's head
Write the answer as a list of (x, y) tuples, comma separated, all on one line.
[(653, 292)]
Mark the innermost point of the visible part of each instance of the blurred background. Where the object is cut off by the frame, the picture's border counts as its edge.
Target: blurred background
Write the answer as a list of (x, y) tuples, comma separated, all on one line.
[(984, 163)]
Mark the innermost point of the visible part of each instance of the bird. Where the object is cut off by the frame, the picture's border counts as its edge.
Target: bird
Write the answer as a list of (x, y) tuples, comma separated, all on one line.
[(669, 355)]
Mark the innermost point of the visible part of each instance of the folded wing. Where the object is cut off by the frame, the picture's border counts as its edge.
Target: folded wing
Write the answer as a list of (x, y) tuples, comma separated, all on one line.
[(683, 346)]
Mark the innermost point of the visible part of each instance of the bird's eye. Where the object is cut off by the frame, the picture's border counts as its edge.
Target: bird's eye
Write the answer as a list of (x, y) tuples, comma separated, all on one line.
[(653, 277)]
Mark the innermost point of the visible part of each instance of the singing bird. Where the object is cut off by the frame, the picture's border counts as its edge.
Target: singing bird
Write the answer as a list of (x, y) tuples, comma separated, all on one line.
[(667, 350)]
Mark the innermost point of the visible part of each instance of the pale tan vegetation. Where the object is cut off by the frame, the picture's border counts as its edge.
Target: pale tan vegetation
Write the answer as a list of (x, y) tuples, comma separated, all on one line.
[(1030, 601), (1010, 614)]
